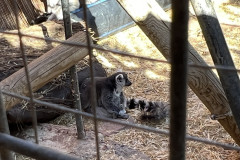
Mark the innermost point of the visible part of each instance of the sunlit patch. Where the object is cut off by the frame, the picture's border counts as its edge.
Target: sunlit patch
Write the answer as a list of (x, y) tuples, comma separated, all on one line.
[(130, 64), (124, 40), (152, 75), (13, 40), (105, 61)]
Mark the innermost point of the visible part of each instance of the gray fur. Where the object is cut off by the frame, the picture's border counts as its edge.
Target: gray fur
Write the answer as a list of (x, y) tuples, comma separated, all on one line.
[(111, 101), (151, 110)]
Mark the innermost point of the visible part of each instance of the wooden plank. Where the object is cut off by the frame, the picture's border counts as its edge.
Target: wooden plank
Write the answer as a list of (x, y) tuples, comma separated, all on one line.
[(155, 23), (219, 51), (45, 68)]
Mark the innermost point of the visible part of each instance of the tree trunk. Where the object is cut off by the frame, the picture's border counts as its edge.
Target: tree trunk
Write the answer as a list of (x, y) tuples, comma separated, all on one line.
[(155, 23), (45, 68)]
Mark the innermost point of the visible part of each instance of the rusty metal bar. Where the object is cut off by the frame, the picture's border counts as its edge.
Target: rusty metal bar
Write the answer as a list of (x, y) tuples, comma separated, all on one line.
[(4, 128), (73, 71), (33, 109), (93, 89), (179, 56), (31, 149)]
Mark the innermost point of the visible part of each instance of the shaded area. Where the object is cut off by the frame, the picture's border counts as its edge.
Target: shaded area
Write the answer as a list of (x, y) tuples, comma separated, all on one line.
[(59, 93)]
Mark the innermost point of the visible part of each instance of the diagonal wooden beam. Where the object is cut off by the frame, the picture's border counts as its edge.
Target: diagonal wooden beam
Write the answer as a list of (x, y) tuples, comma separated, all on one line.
[(155, 23), (220, 53), (45, 68)]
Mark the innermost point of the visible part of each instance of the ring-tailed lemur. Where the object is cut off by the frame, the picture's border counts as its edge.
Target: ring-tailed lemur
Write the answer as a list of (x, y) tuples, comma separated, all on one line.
[(151, 110), (110, 98)]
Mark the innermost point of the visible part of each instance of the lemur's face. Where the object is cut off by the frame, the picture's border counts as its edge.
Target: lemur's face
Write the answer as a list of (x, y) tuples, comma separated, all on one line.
[(122, 79)]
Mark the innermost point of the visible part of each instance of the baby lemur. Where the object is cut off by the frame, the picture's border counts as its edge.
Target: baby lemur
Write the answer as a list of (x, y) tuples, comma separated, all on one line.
[(111, 101), (151, 110)]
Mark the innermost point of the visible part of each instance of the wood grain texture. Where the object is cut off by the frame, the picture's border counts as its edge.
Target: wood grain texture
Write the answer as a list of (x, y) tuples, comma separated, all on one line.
[(155, 23), (220, 53), (44, 69)]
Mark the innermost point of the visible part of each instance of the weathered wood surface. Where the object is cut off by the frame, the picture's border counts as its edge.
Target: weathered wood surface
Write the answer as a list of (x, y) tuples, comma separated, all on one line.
[(155, 23), (28, 11), (219, 51), (44, 68)]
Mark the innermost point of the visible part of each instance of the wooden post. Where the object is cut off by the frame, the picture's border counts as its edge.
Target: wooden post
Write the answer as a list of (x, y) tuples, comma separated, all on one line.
[(154, 22), (45, 68), (73, 71), (219, 51)]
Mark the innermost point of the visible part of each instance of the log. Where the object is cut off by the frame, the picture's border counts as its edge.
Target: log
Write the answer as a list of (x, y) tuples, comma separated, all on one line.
[(219, 51), (44, 69), (155, 23)]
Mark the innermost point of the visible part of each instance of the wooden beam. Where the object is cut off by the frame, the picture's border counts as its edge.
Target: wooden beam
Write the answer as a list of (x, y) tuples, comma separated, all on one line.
[(44, 69), (219, 51), (155, 23)]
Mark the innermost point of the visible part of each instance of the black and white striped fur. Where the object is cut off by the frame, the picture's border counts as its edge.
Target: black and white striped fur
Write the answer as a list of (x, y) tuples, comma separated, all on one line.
[(151, 110)]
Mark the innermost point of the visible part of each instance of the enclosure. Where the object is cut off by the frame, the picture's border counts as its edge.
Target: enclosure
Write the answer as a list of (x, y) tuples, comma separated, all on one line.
[(131, 51)]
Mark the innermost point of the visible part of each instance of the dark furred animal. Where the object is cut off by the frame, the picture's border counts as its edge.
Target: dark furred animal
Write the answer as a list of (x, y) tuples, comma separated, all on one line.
[(111, 102), (151, 110), (154, 110), (51, 92), (133, 103)]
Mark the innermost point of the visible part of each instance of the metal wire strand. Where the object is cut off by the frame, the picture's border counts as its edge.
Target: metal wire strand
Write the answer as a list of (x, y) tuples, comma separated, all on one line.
[(4, 128), (121, 53), (33, 109), (93, 89), (137, 126), (94, 116)]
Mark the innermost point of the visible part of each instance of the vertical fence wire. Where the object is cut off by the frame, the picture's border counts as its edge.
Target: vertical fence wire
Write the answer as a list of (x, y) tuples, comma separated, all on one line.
[(4, 128), (93, 89), (33, 109), (179, 55), (73, 70)]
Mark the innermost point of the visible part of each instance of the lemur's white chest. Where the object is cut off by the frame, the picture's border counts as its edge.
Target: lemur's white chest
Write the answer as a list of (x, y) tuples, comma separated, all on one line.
[(118, 90), (116, 93)]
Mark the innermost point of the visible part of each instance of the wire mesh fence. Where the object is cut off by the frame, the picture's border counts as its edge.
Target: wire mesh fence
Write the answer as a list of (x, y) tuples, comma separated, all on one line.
[(38, 152)]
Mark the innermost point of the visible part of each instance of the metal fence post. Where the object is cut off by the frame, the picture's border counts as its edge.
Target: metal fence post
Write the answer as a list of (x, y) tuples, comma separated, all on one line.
[(179, 59), (93, 89)]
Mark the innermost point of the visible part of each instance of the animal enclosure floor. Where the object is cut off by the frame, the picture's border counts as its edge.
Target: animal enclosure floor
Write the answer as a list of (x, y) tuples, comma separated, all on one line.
[(150, 81)]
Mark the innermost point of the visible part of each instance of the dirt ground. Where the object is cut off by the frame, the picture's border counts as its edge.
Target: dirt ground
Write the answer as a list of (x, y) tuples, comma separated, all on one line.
[(150, 81)]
